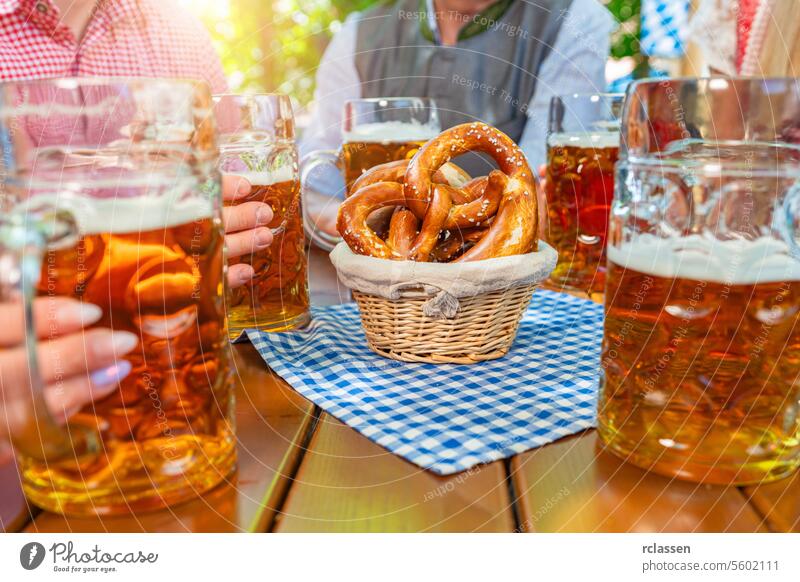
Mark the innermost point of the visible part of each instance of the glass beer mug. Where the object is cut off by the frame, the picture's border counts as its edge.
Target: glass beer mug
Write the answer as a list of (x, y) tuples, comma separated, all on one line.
[(374, 132), (112, 197), (701, 350), (582, 148), (257, 142)]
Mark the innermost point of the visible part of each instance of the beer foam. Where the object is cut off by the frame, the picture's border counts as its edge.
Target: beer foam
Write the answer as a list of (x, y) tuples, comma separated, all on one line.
[(125, 215), (390, 131), (284, 174), (585, 139), (730, 262)]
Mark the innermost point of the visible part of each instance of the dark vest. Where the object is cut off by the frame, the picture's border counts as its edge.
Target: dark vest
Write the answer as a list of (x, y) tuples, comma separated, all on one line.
[(489, 77)]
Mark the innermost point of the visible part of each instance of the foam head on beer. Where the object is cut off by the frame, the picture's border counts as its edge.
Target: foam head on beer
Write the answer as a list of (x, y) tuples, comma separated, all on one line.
[(702, 258), (390, 131), (266, 177), (584, 140), (154, 207)]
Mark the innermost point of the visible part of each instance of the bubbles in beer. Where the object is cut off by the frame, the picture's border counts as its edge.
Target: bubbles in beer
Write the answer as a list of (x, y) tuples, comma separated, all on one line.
[(579, 190), (368, 145), (153, 264), (277, 297), (163, 295), (699, 356)]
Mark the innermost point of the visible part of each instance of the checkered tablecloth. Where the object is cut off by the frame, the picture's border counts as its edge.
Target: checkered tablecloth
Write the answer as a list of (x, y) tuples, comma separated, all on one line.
[(448, 418)]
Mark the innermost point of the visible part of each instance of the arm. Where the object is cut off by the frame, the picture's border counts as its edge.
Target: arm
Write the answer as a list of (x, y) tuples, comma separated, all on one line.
[(576, 64)]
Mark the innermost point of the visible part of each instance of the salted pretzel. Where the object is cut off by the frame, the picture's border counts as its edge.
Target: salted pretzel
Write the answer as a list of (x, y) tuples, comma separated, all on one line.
[(440, 214), (395, 171), (379, 188)]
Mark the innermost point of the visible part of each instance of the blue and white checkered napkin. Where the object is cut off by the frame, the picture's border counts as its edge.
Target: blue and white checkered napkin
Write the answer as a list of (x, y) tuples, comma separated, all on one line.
[(448, 417)]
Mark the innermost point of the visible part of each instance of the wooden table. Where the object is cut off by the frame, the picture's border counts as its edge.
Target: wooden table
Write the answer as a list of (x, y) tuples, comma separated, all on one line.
[(302, 470)]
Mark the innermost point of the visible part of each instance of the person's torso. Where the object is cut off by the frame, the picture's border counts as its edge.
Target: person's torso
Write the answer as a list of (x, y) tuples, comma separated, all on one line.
[(489, 77), (123, 38)]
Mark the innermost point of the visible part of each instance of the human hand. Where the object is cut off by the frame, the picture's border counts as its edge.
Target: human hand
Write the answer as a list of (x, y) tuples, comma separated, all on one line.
[(246, 228), (76, 365)]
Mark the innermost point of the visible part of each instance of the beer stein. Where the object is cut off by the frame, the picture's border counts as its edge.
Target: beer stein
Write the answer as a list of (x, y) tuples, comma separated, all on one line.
[(257, 142), (112, 197), (374, 131), (701, 349), (582, 148)]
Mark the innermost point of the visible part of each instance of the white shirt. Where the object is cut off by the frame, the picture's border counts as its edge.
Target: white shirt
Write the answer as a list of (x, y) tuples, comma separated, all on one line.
[(575, 64)]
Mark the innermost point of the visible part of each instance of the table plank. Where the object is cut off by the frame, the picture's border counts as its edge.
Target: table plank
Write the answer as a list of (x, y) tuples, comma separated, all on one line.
[(273, 422), (14, 509), (348, 483), (572, 485), (779, 503)]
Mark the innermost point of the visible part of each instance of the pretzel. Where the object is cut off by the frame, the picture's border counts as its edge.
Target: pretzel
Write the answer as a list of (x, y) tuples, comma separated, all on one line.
[(454, 241), (440, 214), (356, 209), (379, 188), (515, 226), (395, 171)]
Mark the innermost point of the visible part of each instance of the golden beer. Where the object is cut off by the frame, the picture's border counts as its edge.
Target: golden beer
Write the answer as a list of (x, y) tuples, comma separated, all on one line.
[(701, 356), (359, 156), (374, 131), (276, 299), (579, 190), (154, 266), (371, 144)]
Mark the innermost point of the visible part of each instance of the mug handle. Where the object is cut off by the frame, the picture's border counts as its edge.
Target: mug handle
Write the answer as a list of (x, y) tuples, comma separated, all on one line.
[(308, 164), (34, 432)]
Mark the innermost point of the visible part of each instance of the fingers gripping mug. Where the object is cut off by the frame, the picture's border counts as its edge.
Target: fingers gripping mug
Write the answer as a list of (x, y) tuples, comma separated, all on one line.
[(257, 142)]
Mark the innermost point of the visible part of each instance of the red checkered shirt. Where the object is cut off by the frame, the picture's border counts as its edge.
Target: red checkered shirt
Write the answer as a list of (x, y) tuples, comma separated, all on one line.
[(124, 38)]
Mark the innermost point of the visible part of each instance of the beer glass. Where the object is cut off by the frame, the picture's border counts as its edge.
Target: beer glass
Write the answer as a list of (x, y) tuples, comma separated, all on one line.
[(257, 141), (374, 132), (582, 148), (701, 349), (112, 197)]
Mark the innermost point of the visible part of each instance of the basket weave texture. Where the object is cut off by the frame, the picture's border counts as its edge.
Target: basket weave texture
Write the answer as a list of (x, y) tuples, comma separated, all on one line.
[(483, 329)]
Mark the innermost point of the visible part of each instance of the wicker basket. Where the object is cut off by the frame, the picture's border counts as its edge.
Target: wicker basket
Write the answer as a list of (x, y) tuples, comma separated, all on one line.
[(483, 329)]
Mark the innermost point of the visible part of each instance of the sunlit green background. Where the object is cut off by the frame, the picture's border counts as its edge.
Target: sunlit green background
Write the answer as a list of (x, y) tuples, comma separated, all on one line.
[(276, 45)]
